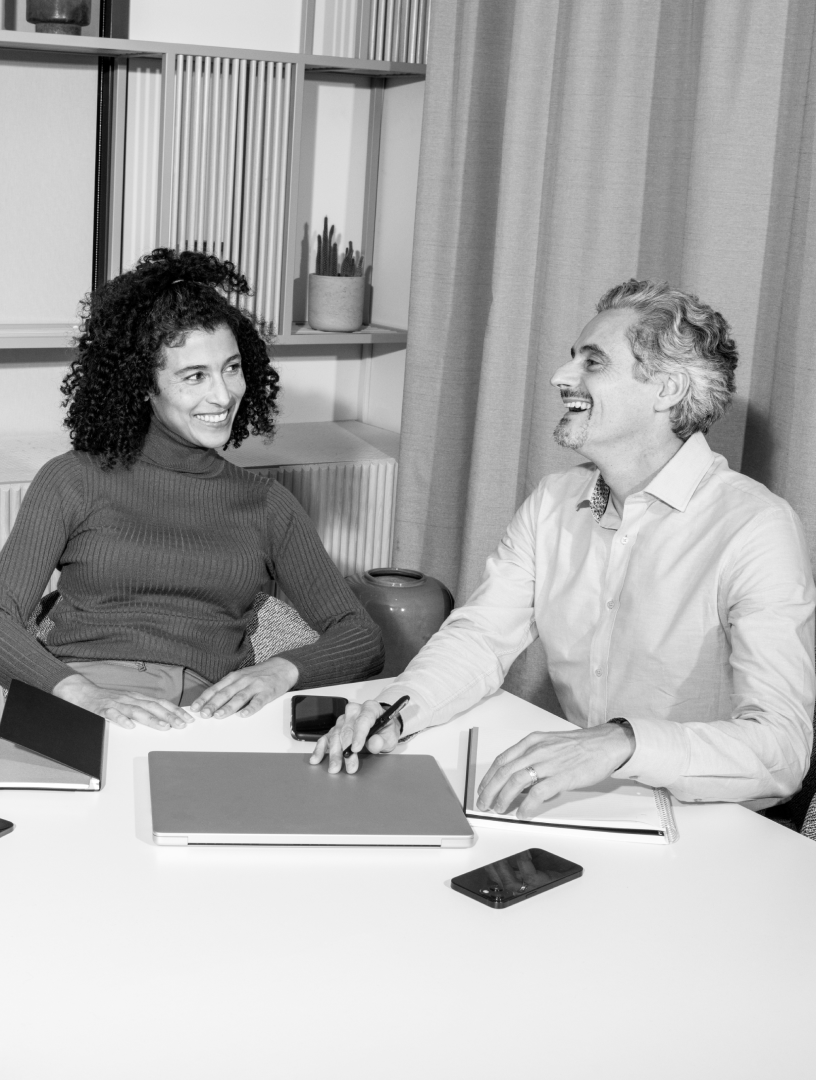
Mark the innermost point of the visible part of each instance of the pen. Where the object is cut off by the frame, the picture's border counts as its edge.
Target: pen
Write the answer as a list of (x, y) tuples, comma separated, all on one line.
[(381, 721)]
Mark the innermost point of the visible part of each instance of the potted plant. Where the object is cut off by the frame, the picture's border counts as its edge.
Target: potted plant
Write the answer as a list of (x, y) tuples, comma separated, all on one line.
[(336, 293), (58, 16)]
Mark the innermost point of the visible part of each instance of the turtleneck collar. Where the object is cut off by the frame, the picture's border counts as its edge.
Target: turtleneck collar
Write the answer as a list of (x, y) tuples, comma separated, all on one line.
[(166, 449)]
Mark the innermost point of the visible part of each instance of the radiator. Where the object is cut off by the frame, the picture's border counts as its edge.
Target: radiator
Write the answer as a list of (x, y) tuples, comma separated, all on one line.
[(351, 504)]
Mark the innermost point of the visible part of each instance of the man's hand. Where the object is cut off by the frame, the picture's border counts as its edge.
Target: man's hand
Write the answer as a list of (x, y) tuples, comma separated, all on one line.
[(563, 761), (351, 730), (248, 689), (125, 708)]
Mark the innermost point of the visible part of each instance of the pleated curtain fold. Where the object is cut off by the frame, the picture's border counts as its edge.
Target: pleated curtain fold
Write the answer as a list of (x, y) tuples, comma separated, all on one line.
[(568, 146)]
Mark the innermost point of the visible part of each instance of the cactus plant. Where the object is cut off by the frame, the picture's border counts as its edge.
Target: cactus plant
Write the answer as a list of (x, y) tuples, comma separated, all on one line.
[(326, 262)]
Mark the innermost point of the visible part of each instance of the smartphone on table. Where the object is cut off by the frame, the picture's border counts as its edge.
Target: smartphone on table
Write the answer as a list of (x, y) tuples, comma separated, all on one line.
[(516, 878), (314, 716)]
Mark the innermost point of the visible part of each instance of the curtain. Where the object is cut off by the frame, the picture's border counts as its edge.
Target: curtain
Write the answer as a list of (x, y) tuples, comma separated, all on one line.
[(566, 147)]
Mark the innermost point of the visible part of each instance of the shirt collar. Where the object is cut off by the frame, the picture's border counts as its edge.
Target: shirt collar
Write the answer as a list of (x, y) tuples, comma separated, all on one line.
[(681, 475), (674, 484)]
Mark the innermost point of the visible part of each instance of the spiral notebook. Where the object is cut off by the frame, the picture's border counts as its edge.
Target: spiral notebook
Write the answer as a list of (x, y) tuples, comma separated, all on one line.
[(622, 809)]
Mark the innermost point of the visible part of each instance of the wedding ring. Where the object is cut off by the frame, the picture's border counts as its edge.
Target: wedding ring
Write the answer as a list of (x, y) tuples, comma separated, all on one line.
[(533, 774)]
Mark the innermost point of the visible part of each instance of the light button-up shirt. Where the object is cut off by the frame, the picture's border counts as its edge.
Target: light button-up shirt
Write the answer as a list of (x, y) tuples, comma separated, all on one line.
[(691, 615)]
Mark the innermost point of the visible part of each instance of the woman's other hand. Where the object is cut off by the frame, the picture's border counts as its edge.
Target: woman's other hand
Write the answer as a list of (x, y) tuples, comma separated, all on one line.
[(125, 708), (248, 689), (352, 730)]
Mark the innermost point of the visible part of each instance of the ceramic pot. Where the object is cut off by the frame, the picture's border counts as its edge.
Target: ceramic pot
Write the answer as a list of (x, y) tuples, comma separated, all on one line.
[(336, 303), (58, 16), (408, 607)]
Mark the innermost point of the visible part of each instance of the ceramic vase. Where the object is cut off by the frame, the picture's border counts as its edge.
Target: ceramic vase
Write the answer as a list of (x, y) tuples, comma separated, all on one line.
[(58, 16), (336, 303), (408, 607)]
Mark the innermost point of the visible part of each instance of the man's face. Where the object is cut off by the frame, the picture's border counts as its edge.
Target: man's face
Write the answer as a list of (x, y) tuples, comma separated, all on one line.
[(606, 405)]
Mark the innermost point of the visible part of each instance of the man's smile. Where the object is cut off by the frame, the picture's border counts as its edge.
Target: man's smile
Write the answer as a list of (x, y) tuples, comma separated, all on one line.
[(575, 404)]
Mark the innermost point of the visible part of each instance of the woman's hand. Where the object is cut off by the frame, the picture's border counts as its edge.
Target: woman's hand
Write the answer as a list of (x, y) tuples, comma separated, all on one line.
[(351, 730), (248, 689), (125, 708)]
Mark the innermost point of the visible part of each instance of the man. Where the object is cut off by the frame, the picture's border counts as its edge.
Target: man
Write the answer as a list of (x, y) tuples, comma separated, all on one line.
[(673, 597)]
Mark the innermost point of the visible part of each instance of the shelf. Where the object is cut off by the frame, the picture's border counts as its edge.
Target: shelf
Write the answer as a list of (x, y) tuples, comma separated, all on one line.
[(37, 335), (96, 46), (369, 335), (60, 336), (316, 443)]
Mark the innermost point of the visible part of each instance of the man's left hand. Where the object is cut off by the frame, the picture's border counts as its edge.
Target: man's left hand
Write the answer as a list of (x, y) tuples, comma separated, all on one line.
[(248, 689), (562, 761)]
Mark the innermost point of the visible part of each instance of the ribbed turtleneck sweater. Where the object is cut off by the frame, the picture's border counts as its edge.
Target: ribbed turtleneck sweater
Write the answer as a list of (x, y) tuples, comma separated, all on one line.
[(161, 561)]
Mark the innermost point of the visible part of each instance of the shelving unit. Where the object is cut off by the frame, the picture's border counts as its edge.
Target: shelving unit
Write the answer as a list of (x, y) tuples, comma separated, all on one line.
[(221, 149), (267, 232)]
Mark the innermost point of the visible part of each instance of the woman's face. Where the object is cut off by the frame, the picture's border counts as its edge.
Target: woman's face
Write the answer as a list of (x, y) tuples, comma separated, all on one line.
[(200, 387)]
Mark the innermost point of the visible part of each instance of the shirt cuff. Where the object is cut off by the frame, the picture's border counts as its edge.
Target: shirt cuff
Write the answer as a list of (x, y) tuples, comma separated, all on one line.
[(412, 712), (660, 755)]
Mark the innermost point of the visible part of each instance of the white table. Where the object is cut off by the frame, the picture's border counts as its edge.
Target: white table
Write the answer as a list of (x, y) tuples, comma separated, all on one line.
[(123, 959)]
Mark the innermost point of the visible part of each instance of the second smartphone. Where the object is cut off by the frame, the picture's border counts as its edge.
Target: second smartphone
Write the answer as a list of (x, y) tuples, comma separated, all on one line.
[(516, 878), (313, 715)]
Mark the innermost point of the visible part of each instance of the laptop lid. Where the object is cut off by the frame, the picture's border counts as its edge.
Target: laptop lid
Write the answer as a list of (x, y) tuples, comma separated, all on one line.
[(244, 798)]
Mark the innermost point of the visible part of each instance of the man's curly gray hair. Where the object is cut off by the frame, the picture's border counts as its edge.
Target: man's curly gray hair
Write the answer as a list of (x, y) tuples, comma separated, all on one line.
[(675, 330)]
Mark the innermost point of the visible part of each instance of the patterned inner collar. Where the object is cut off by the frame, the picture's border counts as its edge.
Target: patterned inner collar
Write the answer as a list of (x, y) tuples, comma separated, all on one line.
[(599, 498)]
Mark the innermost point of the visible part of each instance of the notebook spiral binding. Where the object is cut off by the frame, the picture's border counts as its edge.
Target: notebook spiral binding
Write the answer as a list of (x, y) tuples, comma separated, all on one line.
[(664, 809)]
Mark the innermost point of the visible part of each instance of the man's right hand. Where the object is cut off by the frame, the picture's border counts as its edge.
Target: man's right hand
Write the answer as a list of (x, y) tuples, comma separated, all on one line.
[(351, 730), (125, 708)]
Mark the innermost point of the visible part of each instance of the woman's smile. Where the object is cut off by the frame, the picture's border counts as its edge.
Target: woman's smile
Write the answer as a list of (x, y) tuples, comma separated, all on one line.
[(213, 418)]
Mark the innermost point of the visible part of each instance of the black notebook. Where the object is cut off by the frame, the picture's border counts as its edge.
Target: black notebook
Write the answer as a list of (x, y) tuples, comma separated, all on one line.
[(49, 743)]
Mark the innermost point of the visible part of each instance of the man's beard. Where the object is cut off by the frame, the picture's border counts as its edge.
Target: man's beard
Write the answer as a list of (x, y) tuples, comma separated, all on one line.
[(569, 435)]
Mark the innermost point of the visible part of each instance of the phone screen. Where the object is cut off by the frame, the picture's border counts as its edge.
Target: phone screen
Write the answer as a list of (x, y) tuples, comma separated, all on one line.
[(513, 879), (313, 716)]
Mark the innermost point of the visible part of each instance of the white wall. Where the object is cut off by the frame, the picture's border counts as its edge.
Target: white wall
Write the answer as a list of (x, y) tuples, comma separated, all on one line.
[(384, 372), (47, 155), (333, 143), (316, 389), (243, 24), (29, 390)]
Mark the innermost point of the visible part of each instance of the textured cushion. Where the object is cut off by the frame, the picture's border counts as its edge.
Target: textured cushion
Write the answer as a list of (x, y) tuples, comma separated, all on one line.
[(809, 824), (274, 628)]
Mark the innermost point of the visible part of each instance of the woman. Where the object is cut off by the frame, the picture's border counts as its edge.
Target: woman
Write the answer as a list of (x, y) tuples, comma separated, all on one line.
[(162, 543)]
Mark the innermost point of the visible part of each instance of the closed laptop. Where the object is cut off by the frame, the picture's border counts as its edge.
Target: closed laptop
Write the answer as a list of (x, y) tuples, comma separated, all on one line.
[(254, 798)]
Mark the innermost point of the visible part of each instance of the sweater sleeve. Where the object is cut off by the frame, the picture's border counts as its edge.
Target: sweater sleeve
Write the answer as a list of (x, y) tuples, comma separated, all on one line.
[(350, 647), (32, 552)]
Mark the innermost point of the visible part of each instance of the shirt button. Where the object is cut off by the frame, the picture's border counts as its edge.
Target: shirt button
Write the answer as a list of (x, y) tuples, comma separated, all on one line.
[(624, 539), (610, 603), (598, 672)]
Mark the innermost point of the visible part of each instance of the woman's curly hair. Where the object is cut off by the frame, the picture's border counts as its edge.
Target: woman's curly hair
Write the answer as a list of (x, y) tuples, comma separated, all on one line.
[(127, 323)]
